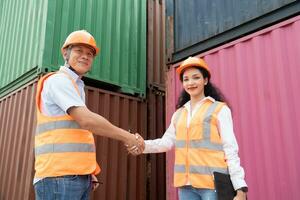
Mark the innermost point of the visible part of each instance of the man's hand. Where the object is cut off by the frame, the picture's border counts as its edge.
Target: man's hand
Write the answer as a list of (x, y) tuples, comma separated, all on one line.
[(138, 147), (95, 182)]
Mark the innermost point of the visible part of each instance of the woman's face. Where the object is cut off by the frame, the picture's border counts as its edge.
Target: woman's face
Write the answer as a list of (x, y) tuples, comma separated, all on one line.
[(194, 82)]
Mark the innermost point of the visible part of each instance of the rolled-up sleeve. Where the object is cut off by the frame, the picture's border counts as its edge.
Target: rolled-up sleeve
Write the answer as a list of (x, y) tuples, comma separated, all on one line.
[(62, 92)]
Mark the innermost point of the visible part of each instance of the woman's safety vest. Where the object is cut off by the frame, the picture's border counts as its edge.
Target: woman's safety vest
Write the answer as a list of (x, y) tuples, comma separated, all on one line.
[(198, 148), (61, 146)]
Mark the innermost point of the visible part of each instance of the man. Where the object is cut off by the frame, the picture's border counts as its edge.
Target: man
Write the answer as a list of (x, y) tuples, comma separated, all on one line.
[(65, 158)]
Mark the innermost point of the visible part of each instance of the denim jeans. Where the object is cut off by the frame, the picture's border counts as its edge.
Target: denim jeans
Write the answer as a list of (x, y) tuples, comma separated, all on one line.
[(191, 193), (71, 187)]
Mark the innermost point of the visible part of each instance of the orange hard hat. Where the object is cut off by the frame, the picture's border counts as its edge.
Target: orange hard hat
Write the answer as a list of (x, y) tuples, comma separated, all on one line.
[(192, 62), (81, 37)]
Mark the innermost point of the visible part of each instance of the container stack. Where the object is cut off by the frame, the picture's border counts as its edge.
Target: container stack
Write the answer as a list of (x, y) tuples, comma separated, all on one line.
[(156, 68), (125, 85), (252, 48)]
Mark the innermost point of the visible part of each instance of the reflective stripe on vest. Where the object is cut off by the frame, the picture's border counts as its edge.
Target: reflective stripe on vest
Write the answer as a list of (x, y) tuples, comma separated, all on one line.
[(62, 147), (49, 126), (207, 121), (199, 169), (198, 144), (199, 150)]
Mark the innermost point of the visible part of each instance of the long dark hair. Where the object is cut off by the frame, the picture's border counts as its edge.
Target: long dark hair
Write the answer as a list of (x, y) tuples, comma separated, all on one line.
[(209, 90)]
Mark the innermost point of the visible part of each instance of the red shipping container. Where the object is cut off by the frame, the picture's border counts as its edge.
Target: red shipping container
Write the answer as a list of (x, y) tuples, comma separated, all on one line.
[(259, 76), (122, 176)]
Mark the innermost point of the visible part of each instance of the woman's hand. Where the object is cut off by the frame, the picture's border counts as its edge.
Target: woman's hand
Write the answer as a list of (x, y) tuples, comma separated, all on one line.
[(137, 149), (240, 195)]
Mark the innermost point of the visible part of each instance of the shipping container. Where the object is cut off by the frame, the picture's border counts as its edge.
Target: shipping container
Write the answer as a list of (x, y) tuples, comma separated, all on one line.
[(22, 27), (259, 76), (195, 26), (156, 171), (123, 176), (156, 68), (34, 31), (17, 125), (173, 89), (156, 60)]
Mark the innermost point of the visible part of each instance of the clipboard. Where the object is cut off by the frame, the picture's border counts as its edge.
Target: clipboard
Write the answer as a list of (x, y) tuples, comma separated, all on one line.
[(223, 186)]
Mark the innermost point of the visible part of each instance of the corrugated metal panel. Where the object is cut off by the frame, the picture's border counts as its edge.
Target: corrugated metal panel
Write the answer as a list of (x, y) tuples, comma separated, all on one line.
[(119, 28), (259, 76), (171, 97), (156, 128), (201, 25), (156, 66), (200, 20), (22, 27), (156, 61), (34, 31), (17, 119), (123, 176)]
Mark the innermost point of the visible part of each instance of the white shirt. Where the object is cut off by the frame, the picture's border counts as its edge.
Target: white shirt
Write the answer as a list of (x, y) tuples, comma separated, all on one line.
[(59, 94), (225, 127)]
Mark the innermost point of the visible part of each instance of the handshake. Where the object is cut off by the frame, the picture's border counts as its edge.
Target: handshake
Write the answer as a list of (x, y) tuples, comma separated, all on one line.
[(136, 145)]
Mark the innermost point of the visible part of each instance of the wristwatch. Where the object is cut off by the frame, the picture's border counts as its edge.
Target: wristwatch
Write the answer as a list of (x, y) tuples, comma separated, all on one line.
[(243, 189)]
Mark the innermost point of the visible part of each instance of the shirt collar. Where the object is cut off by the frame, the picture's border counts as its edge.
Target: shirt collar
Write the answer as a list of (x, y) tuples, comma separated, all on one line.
[(72, 74), (187, 105)]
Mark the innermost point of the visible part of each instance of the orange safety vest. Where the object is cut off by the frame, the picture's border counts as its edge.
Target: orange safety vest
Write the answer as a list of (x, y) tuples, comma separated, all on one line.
[(198, 149), (61, 146)]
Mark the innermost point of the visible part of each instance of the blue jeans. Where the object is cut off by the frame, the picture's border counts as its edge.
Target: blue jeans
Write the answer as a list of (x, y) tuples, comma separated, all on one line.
[(191, 193), (71, 187)]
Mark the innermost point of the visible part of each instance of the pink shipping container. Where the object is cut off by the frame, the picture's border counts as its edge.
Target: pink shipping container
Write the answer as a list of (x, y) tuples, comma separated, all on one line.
[(259, 75)]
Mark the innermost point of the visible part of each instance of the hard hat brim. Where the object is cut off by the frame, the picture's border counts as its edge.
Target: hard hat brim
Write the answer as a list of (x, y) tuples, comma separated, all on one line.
[(181, 68), (95, 49)]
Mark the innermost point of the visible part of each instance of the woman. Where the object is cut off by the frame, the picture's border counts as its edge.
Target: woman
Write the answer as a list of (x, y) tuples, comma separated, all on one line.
[(202, 132)]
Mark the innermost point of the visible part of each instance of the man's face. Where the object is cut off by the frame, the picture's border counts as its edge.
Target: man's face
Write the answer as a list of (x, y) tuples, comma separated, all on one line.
[(81, 58)]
